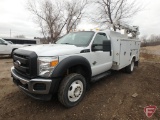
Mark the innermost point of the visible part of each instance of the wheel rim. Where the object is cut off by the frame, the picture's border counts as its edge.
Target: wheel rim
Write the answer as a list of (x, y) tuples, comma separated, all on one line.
[(75, 91), (132, 65)]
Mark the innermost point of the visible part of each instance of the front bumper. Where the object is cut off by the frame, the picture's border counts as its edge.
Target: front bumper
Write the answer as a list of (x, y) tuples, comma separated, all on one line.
[(28, 86)]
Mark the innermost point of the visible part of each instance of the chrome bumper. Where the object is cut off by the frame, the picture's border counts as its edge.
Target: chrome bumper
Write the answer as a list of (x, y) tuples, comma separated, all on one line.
[(30, 83)]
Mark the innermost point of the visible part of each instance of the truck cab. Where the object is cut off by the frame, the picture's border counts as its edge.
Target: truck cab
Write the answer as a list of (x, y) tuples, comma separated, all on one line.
[(68, 67)]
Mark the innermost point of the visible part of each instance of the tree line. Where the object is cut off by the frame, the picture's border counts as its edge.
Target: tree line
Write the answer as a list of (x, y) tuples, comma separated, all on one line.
[(150, 41), (56, 18)]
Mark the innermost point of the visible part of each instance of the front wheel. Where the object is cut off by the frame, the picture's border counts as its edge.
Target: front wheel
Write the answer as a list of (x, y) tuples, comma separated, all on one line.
[(130, 68), (72, 90)]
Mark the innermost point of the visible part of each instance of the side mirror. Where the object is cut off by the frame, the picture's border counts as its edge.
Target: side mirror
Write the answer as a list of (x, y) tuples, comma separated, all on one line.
[(107, 46)]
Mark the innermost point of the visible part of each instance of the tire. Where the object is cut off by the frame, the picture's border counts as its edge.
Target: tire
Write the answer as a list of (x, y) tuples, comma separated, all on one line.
[(72, 90), (130, 68)]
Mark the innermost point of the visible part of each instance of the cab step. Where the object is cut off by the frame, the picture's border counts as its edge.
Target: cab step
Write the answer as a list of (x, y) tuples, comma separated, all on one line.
[(100, 76)]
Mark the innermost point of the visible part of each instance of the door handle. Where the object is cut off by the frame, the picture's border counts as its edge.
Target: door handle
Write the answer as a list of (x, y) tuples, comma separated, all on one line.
[(94, 62)]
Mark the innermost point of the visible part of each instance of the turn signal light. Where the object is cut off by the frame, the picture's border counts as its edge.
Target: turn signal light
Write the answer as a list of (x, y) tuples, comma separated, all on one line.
[(54, 63)]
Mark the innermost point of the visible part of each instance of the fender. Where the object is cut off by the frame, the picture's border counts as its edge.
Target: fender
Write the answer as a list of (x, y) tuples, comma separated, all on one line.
[(136, 62), (13, 49), (69, 62), (132, 58)]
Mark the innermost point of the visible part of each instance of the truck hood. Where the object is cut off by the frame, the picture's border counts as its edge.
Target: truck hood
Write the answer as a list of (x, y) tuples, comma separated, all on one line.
[(54, 49)]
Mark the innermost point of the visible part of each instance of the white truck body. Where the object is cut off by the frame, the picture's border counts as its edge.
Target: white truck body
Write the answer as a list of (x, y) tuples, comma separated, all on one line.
[(123, 50), (6, 48), (68, 66)]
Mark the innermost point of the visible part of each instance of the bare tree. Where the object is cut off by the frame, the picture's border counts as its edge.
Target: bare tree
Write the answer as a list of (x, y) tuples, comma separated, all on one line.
[(150, 41), (53, 17), (42, 27), (74, 11), (48, 16), (143, 40), (111, 11)]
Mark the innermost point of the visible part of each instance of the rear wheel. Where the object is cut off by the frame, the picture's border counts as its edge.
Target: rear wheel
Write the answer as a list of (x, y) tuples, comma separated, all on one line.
[(130, 68), (72, 90)]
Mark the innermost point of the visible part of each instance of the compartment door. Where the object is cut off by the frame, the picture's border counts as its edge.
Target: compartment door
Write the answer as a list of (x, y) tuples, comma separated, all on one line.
[(125, 53)]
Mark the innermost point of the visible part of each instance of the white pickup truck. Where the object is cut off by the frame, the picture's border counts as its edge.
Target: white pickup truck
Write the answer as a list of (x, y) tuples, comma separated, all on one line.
[(72, 63), (7, 48)]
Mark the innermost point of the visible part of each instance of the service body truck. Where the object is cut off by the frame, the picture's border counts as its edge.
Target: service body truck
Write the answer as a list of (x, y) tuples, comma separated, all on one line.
[(72, 63)]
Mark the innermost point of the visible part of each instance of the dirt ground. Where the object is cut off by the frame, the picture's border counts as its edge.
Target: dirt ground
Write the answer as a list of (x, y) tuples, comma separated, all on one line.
[(108, 99), (151, 50)]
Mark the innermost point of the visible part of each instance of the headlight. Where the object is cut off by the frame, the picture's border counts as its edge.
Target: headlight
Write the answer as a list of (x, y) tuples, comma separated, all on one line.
[(46, 65)]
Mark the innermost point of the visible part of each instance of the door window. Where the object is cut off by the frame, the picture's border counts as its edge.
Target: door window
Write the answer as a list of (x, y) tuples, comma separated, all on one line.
[(98, 40)]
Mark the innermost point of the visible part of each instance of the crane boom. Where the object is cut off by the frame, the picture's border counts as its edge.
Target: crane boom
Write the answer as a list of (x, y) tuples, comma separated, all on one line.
[(134, 30)]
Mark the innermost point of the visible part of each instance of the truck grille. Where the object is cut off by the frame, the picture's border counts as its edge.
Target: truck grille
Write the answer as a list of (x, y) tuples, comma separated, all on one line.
[(25, 63)]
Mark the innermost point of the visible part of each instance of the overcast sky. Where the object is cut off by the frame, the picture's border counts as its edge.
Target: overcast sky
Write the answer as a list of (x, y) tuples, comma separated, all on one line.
[(15, 17)]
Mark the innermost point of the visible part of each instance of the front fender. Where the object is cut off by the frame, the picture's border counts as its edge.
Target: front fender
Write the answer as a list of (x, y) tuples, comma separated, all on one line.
[(71, 61)]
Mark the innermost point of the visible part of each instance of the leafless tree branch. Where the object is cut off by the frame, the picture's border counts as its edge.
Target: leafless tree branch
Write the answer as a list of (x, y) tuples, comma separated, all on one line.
[(54, 17), (111, 11)]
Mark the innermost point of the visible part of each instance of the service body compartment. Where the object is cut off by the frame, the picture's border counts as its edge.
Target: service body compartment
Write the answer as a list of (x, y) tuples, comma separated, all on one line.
[(124, 50), (125, 53), (128, 50)]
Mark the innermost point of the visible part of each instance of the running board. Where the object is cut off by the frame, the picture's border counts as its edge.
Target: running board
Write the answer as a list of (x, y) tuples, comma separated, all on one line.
[(100, 76)]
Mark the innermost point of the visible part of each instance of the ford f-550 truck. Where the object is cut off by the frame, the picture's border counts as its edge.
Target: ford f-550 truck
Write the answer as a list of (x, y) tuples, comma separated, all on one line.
[(72, 63)]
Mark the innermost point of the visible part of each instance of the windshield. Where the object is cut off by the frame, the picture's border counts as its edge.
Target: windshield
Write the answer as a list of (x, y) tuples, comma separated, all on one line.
[(80, 39), (9, 42), (2, 40)]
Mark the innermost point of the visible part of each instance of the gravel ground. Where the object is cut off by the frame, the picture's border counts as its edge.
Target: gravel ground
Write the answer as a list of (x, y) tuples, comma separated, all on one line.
[(110, 98)]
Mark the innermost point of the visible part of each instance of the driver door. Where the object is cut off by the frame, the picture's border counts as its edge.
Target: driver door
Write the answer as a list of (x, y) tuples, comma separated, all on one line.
[(100, 61)]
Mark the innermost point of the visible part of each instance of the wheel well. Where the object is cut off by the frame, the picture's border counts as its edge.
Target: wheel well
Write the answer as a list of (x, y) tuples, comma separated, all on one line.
[(134, 58), (14, 49), (80, 69)]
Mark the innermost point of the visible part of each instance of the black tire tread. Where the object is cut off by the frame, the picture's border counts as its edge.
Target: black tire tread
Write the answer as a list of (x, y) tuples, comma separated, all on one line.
[(63, 84)]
